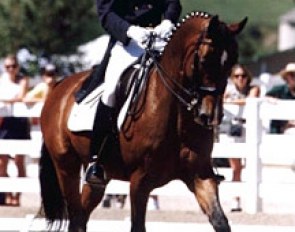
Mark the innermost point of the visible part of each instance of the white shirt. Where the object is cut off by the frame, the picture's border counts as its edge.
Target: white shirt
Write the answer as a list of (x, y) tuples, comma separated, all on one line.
[(8, 88)]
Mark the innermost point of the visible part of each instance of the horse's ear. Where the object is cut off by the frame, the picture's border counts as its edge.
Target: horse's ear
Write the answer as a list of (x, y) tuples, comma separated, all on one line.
[(238, 27), (213, 25)]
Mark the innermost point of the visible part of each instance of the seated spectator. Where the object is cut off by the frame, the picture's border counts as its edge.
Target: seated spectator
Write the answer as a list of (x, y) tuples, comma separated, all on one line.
[(13, 87), (41, 90), (236, 93), (285, 91)]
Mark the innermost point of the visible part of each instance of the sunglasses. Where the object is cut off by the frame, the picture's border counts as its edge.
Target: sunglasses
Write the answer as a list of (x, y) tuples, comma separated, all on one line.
[(290, 76), (240, 75), (12, 66)]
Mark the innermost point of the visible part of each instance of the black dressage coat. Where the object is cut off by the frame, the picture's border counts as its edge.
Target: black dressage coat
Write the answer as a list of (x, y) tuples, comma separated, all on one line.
[(116, 16)]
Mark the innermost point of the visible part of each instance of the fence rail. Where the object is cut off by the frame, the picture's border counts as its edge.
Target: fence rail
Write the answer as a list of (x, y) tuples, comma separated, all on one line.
[(259, 149)]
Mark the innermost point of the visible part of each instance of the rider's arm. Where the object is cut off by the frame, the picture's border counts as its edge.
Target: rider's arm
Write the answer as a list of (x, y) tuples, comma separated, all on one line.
[(117, 27), (111, 22), (172, 10)]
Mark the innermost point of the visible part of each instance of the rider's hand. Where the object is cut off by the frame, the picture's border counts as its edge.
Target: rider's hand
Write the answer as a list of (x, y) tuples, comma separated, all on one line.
[(139, 34), (159, 45), (163, 30)]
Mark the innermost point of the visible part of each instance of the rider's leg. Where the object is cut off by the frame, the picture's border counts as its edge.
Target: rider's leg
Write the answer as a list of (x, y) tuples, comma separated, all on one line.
[(121, 58), (101, 128), (96, 77)]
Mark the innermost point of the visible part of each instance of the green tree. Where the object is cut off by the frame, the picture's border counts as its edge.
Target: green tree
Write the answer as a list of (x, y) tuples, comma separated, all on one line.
[(59, 26), (52, 26)]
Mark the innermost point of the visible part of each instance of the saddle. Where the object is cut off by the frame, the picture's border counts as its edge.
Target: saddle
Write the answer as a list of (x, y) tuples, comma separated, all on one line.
[(131, 83)]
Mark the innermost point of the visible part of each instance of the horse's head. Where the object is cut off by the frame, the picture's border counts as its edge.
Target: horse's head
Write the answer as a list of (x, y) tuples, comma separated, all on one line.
[(210, 51)]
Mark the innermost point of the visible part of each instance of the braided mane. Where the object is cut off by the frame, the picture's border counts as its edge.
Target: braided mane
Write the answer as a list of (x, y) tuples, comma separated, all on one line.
[(188, 16)]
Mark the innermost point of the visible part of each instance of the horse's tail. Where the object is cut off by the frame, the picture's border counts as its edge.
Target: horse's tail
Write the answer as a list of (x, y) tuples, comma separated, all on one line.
[(53, 202)]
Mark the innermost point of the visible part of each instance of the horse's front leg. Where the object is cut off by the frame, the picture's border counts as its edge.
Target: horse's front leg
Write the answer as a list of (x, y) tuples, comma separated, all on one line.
[(206, 192), (91, 196), (139, 193)]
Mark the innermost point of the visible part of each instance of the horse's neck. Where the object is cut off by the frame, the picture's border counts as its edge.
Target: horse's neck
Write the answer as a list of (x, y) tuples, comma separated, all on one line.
[(181, 42), (177, 53), (162, 100)]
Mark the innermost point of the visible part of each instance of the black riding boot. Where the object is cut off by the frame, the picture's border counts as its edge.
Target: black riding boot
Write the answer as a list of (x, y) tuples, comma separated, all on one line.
[(101, 129)]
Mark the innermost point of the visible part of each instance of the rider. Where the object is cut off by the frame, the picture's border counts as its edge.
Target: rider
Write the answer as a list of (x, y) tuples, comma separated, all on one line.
[(129, 23)]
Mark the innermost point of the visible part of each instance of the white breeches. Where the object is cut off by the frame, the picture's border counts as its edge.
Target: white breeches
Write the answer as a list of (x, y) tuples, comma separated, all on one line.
[(121, 58)]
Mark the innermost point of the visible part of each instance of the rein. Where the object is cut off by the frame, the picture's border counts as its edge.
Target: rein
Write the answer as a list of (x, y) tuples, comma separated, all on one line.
[(194, 94), (150, 54), (165, 77)]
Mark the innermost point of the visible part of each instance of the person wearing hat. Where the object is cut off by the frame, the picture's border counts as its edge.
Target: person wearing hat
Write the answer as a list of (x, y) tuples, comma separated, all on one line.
[(41, 90), (285, 91)]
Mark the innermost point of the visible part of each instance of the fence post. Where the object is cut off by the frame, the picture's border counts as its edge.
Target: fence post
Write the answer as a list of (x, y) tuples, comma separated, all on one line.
[(253, 163)]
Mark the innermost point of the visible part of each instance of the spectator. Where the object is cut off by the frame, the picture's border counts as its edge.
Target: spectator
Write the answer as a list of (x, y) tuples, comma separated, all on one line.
[(285, 91), (13, 87), (236, 93), (41, 90)]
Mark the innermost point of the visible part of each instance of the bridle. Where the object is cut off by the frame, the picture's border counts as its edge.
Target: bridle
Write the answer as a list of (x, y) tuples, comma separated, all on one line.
[(200, 88), (195, 94)]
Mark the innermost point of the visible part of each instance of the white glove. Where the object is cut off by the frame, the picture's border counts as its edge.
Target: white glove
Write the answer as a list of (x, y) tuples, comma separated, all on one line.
[(159, 45), (139, 34), (163, 30)]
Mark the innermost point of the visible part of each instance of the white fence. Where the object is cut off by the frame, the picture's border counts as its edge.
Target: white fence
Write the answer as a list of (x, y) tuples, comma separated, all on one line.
[(259, 150), (31, 147)]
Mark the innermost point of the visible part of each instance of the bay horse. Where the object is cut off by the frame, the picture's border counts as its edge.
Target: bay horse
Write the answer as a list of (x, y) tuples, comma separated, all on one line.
[(170, 138)]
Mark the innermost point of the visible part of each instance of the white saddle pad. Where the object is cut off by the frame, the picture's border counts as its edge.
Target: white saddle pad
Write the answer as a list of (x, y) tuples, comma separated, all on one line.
[(82, 115)]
